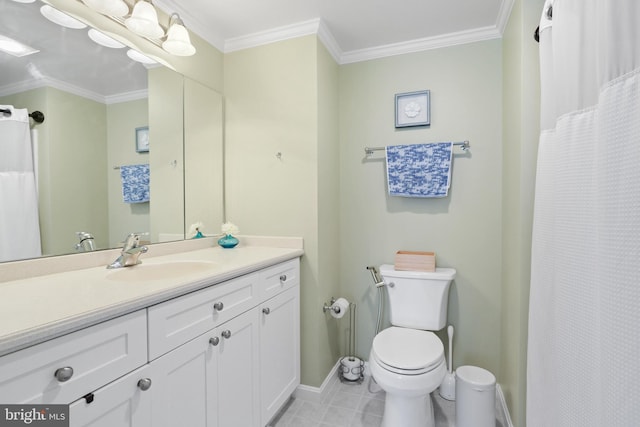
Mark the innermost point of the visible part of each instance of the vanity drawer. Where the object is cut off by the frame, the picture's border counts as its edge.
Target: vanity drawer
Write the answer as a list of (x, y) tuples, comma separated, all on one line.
[(97, 355), (181, 319), (278, 278)]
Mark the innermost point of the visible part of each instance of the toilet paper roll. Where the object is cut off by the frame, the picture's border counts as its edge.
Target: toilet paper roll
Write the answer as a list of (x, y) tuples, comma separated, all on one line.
[(342, 304), (351, 368)]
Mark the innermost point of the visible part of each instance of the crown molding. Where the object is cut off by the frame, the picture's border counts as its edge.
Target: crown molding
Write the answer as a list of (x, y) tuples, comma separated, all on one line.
[(503, 15), (32, 84), (420, 45), (133, 95), (286, 32), (327, 39)]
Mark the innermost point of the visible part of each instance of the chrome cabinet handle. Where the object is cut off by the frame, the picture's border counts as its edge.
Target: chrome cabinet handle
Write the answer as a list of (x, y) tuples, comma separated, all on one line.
[(63, 374), (144, 384), (266, 310), (283, 278), (218, 306), (214, 341), (226, 333)]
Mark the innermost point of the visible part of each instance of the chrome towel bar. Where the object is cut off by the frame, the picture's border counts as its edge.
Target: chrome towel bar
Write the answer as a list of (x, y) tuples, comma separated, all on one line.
[(464, 145)]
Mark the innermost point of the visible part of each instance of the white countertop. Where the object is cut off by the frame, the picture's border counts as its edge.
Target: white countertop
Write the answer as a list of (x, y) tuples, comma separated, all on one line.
[(36, 309)]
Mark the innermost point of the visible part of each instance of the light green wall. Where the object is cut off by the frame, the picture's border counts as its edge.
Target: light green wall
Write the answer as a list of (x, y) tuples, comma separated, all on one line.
[(520, 133), (122, 120), (273, 95), (463, 229)]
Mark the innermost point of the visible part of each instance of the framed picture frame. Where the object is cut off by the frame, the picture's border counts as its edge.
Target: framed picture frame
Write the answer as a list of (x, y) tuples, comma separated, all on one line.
[(142, 139), (413, 109)]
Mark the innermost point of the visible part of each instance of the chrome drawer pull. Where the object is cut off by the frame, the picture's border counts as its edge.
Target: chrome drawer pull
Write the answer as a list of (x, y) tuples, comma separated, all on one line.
[(63, 374), (144, 384), (283, 278), (226, 334), (214, 341), (218, 306), (266, 310)]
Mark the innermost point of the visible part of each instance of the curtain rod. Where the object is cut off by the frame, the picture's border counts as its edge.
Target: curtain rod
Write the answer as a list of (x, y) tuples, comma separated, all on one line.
[(37, 116)]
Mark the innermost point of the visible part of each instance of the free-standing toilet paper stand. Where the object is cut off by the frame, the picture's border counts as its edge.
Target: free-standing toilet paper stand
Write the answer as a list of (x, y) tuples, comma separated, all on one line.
[(351, 369)]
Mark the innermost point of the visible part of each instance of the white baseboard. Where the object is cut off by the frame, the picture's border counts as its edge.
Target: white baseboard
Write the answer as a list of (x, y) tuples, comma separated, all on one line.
[(317, 394)]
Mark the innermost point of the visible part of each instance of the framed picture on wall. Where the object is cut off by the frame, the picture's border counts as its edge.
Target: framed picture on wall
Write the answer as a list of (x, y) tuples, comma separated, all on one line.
[(413, 109), (142, 139)]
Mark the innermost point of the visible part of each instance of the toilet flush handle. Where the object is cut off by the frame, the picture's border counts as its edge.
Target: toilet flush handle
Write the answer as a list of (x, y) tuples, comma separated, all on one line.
[(381, 284)]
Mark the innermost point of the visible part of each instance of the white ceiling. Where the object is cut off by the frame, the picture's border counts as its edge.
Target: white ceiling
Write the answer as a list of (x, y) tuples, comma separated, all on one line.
[(352, 29)]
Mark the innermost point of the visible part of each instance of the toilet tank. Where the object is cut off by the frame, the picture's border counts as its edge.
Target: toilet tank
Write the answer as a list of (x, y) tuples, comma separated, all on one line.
[(418, 299)]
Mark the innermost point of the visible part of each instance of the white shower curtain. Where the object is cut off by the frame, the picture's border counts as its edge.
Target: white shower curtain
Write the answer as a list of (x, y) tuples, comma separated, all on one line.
[(19, 223), (583, 366)]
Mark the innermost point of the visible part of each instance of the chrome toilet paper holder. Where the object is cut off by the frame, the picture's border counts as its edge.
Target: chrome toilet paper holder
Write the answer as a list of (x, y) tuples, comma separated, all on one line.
[(331, 307)]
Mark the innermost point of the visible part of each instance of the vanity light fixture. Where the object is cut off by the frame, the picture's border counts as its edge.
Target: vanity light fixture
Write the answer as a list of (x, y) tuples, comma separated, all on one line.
[(14, 47), (24, 1), (108, 7), (178, 42), (61, 18), (144, 21), (104, 40), (139, 57)]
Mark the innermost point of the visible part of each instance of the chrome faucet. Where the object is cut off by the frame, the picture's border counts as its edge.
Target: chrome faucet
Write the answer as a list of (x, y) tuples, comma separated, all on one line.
[(130, 252), (86, 242)]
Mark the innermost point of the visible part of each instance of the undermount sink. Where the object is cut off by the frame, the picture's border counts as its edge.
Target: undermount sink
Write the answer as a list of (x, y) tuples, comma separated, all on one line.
[(168, 270)]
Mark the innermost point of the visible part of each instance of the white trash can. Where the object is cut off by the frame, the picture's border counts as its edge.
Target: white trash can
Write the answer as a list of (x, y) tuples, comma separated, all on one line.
[(475, 397)]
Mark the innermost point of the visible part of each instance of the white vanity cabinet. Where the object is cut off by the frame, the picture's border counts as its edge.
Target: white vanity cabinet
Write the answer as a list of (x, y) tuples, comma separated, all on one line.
[(226, 355), (240, 371)]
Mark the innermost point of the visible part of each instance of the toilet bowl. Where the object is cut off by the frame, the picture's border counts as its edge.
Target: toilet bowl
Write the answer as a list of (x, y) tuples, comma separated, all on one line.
[(407, 359), (408, 364)]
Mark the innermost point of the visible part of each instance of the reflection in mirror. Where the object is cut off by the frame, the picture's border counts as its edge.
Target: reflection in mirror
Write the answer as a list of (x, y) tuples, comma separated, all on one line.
[(93, 97), (203, 140)]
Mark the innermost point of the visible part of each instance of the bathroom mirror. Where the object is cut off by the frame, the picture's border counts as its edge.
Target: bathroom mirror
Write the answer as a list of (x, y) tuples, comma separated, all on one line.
[(94, 98)]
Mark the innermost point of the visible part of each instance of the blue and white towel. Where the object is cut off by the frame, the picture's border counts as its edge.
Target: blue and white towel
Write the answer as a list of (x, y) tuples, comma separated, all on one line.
[(135, 183), (419, 170)]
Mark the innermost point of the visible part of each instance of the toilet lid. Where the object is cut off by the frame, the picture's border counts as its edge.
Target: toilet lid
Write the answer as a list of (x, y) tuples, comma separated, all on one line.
[(408, 350)]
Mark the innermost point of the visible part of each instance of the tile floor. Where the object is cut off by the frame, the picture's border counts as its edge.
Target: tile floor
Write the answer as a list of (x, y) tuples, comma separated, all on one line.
[(353, 405)]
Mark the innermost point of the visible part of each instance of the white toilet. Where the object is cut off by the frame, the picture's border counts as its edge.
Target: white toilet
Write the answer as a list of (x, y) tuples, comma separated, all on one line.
[(407, 359)]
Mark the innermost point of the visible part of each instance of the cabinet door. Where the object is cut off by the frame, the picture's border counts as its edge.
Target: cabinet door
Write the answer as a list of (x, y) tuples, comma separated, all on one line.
[(184, 386), (125, 402), (279, 350), (238, 391)]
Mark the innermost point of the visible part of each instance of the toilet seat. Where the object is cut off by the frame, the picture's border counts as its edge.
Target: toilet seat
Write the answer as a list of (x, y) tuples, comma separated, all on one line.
[(407, 351)]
